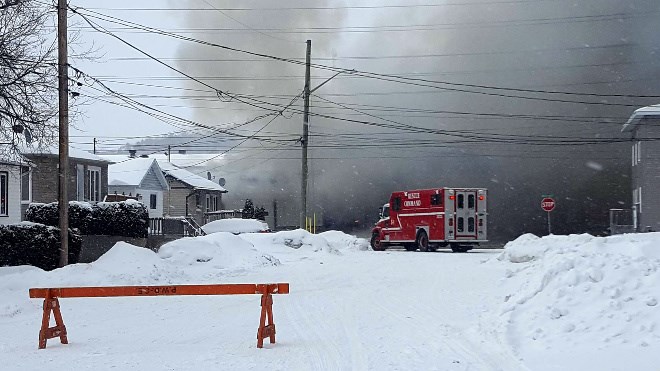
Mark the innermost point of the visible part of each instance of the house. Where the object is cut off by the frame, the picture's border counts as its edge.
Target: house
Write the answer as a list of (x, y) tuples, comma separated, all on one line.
[(141, 178), (643, 126), (15, 189), (88, 176), (190, 194)]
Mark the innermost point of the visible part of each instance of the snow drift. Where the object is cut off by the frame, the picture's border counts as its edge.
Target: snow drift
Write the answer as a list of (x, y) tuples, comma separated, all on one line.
[(579, 292)]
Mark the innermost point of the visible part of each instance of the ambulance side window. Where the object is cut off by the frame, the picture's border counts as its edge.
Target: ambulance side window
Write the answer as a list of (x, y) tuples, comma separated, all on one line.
[(470, 201), (436, 200), (396, 205), (461, 201)]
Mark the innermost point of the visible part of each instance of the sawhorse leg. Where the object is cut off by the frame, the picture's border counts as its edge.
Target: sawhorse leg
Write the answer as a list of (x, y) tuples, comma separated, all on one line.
[(266, 330), (59, 330)]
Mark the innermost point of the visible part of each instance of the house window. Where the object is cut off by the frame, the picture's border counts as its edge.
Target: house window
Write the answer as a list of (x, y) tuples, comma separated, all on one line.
[(152, 202), (26, 184), (4, 193), (215, 203), (80, 182), (208, 203), (94, 174)]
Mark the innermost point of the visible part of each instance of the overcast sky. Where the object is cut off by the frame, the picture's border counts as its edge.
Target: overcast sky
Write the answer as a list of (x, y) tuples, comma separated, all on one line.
[(594, 47)]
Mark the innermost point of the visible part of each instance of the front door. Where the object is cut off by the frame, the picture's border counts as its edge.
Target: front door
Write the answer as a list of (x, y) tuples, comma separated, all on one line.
[(466, 212)]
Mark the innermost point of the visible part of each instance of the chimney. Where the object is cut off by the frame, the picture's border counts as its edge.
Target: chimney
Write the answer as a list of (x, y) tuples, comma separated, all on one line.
[(132, 153)]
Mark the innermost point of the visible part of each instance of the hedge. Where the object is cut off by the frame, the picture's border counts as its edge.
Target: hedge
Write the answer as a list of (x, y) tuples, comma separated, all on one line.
[(80, 215), (127, 218), (35, 244)]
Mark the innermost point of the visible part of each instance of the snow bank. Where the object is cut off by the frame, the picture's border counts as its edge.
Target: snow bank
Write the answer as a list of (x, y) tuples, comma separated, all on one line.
[(582, 292), (236, 226), (333, 242), (341, 241), (219, 250)]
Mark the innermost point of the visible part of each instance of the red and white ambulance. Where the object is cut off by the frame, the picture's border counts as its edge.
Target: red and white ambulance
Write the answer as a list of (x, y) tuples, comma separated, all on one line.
[(426, 219)]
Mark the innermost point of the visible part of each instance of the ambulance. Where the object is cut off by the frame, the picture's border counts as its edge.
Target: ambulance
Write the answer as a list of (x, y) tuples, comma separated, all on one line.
[(428, 219)]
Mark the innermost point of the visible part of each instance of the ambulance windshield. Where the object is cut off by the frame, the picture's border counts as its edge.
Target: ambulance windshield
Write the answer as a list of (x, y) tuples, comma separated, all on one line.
[(385, 213)]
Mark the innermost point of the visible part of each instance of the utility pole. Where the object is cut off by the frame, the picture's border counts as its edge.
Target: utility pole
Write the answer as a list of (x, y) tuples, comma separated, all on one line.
[(94, 145), (303, 186), (169, 152), (63, 78), (274, 215)]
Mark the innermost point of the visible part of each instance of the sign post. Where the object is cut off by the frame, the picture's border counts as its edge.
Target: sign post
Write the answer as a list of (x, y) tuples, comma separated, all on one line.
[(548, 204)]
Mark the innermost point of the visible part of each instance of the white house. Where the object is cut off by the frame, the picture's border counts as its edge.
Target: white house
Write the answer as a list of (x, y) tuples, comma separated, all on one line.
[(141, 178), (15, 190)]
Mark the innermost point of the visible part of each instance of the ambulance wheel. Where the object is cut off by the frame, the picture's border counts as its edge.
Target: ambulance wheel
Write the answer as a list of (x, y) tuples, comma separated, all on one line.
[(410, 246), (376, 243), (459, 248), (422, 241)]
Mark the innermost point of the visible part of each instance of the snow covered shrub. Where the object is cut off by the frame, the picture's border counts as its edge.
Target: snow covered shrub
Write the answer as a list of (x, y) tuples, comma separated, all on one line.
[(35, 244), (127, 218), (80, 215)]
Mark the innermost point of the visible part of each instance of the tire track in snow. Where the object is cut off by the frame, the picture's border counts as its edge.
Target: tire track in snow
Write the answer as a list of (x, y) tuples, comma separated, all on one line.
[(359, 360), (484, 356), (318, 360), (312, 316)]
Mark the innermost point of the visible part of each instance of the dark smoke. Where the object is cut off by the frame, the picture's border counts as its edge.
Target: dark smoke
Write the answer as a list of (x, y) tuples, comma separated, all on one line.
[(590, 46)]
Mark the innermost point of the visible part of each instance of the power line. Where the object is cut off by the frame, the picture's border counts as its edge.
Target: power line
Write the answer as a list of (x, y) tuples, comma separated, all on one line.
[(456, 87), (368, 7), (400, 28), (218, 92)]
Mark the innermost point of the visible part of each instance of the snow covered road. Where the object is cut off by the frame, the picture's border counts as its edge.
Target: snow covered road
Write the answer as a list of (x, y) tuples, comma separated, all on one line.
[(348, 309)]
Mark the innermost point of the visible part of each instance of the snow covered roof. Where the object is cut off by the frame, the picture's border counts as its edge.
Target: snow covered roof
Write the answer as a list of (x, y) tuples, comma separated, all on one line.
[(189, 178), (55, 151), (176, 171), (639, 114), (133, 171)]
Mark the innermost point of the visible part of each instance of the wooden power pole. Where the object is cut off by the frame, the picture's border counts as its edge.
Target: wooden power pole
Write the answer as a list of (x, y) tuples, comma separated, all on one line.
[(63, 83), (305, 137)]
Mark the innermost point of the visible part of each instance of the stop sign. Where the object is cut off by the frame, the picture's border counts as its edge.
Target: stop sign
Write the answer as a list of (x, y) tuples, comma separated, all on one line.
[(548, 204)]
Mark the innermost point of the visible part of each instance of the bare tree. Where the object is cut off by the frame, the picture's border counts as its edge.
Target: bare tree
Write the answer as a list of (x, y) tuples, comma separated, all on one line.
[(28, 75)]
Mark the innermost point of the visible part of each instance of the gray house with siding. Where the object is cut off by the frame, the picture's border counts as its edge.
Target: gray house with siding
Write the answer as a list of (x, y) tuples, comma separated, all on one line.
[(190, 194), (643, 127), (88, 176)]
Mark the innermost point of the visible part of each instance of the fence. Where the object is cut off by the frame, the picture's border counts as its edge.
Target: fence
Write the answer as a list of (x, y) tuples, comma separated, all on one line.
[(181, 226), (621, 221)]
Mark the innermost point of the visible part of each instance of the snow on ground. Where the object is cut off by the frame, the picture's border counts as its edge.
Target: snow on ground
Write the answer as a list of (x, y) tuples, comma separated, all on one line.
[(552, 303)]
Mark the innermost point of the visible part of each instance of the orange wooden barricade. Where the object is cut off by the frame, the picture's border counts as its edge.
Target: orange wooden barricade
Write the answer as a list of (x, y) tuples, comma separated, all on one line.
[(51, 302)]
